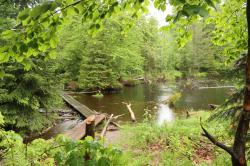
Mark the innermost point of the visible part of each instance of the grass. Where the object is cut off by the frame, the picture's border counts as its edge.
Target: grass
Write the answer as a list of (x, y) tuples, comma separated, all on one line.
[(175, 144)]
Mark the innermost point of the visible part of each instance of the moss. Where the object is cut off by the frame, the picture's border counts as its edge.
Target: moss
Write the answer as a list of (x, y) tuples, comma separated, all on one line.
[(173, 99), (98, 95)]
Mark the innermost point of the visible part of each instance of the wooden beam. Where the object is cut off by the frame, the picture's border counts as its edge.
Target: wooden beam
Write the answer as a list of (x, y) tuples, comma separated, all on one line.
[(79, 107)]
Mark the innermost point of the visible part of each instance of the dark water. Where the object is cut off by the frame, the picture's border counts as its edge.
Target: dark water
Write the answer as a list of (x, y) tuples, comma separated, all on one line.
[(201, 98), (146, 98), (149, 97)]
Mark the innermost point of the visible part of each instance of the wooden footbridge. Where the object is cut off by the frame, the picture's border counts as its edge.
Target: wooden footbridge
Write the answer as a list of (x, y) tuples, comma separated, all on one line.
[(80, 130), (76, 105)]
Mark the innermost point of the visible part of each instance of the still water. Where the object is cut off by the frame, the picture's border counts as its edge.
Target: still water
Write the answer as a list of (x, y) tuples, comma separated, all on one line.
[(148, 98)]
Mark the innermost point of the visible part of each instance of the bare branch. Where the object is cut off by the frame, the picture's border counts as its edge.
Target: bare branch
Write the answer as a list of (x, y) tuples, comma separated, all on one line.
[(217, 143)]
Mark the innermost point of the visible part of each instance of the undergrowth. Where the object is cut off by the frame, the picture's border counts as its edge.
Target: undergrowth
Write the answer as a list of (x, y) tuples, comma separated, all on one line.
[(177, 143)]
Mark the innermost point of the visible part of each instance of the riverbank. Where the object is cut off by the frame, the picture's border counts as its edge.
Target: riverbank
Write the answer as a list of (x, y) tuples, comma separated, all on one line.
[(175, 143)]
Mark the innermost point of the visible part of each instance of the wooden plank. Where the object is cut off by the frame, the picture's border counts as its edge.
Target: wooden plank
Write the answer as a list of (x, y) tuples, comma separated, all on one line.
[(82, 109), (78, 132)]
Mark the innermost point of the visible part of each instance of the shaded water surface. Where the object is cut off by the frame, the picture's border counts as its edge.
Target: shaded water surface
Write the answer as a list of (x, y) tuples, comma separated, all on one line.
[(146, 99), (149, 97)]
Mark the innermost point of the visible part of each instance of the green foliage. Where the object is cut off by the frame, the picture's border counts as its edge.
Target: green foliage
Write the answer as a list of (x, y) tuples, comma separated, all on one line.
[(230, 28), (113, 55), (37, 27), (59, 151), (98, 95), (174, 98), (23, 93), (176, 143)]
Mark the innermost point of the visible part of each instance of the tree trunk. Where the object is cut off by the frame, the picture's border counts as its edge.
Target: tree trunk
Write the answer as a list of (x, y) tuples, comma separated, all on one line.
[(90, 126), (239, 146)]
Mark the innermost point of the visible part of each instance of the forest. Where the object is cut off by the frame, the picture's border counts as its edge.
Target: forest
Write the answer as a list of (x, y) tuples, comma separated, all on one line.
[(124, 82)]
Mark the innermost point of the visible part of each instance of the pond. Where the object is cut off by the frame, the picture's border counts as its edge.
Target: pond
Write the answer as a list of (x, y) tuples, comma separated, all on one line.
[(148, 98)]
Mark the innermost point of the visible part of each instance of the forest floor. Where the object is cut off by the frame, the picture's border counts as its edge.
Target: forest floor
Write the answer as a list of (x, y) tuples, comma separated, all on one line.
[(177, 143)]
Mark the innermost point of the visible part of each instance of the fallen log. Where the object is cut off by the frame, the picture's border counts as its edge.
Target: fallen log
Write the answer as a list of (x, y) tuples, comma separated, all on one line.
[(132, 115), (215, 87), (106, 126)]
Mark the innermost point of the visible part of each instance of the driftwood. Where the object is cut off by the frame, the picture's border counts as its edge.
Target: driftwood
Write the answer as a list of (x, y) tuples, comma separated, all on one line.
[(215, 87), (116, 124), (132, 115), (106, 126), (116, 117)]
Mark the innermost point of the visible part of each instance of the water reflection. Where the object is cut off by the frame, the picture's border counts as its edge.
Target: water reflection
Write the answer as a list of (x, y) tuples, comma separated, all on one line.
[(165, 114), (146, 97), (149, 96), (60, 128)]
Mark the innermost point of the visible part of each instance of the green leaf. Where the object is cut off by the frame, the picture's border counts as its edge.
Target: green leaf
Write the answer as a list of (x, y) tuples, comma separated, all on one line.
[(103, 161), (176, 2), (97, 26), (41, 9), (23, 14), (53, 54), (2, 73), (4, 57), (27, 66), (168, 18), (203, 12), (53, 42), (19, 59), (210, 3)]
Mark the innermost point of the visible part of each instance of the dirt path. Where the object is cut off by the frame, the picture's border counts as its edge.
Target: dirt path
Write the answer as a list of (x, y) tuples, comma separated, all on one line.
[(112, 137)]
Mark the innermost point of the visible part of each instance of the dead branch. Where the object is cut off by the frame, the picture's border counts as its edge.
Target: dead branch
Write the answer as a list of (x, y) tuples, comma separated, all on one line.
[(217, 143), (116, 124), (106, 126), (132, 115), (116, 117)]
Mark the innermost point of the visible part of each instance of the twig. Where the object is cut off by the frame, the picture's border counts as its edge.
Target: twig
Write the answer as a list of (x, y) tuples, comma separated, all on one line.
[(106, 126), (116, 117), (116, 124)]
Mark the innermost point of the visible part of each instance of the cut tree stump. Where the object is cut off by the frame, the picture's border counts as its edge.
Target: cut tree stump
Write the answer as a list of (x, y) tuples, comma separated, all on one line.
[(79, 131), (90, 126)]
